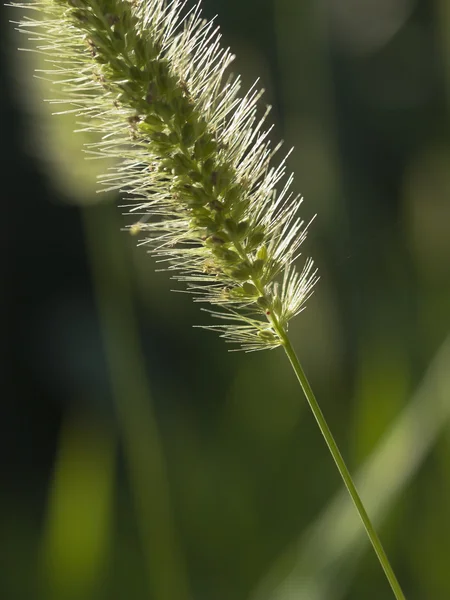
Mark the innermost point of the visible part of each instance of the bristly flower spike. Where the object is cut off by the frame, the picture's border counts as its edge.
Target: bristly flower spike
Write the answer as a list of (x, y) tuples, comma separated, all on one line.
[(192, 156)]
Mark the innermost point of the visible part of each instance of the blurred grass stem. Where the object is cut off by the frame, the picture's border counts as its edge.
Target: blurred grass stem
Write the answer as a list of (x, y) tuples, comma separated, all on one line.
[(130, 389), (342, 467)]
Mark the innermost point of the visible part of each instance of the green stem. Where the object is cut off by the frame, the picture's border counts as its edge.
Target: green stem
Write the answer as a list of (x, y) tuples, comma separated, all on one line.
[(329, 439), (340, 463)]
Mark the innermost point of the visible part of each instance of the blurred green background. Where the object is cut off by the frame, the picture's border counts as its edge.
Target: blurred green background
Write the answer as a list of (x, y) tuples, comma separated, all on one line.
[(139, 458)]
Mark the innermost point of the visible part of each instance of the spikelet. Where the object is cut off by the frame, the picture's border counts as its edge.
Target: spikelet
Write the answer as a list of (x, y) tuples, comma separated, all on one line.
[(192, 157)]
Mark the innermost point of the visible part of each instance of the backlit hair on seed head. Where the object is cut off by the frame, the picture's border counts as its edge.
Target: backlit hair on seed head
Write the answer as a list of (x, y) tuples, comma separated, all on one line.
[(193, 158)]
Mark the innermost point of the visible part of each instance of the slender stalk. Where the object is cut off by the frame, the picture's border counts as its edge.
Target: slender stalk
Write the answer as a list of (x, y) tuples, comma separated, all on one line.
[(340, 463)]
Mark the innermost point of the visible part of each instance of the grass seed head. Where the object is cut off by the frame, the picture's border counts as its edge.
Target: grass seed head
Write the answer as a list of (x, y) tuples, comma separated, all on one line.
[(192, 155)]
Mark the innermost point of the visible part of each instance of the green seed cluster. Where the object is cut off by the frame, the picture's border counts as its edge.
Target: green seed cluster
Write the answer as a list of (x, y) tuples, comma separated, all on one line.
[(192, 155), (167, 118)]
